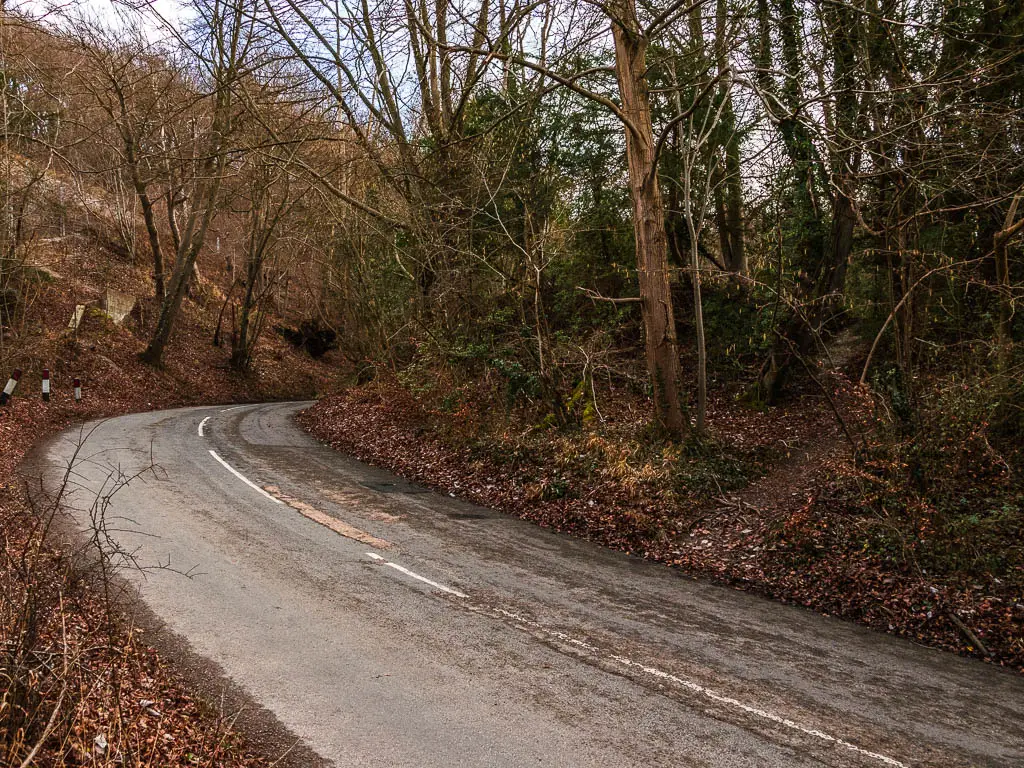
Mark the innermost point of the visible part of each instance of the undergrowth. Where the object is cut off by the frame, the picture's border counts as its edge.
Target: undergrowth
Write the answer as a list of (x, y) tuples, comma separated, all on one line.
[(79, 685)]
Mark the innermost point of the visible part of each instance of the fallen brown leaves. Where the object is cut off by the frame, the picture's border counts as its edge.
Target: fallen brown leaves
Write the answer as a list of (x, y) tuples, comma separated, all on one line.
[(782, 535), (83, 688), (79, 682)]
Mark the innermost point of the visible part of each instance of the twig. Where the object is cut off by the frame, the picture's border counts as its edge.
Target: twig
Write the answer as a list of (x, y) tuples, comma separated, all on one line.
[(967, 632), (591, 294), (60, 699)]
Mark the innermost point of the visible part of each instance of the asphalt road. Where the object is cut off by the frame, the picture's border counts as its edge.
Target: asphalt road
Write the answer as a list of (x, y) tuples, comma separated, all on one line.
[(389, 626)]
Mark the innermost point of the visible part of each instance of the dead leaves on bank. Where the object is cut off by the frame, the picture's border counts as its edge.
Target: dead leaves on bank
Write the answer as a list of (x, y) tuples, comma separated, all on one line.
[(783, 535), (79, 686)]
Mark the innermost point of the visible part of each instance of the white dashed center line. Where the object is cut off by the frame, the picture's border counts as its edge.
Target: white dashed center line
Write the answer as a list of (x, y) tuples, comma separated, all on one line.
[(407, 572), (203, 424), (244, 479)]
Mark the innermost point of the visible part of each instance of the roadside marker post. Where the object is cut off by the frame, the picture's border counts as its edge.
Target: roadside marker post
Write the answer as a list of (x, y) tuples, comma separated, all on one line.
[(78, 390), (46, 385), (12, 383)]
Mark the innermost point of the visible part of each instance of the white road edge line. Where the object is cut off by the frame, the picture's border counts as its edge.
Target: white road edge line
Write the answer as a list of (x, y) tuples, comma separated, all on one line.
[(778, 719), (203, 424), (529, 625), (243, 478), (225, 410), (407, 572)]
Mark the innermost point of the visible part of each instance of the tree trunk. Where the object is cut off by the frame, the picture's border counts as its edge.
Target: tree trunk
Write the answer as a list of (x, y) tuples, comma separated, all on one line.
[(702, 350), (662, 350), (736, 258), (822, 253), (1004, 327), (154, 242), (734, 252), (240, 341), (154, 352), (844, 218), (241, 344), (172, 220), (148, 216), (191, 243)]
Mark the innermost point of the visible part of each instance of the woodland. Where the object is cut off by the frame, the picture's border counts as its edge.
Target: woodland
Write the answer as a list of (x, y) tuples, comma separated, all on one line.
[(731, 284)]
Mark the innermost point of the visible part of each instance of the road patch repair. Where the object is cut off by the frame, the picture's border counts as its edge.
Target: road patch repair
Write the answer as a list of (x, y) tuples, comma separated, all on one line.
[(340, 527), (368, 502), (276, 495)]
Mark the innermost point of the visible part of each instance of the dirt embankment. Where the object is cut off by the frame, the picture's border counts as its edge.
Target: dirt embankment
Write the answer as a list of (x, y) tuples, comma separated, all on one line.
[(81, 681), (789, 529)]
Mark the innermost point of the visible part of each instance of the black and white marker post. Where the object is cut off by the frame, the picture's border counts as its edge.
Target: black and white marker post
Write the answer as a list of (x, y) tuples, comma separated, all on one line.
[(78, 390), (12, 383), (46, 385)]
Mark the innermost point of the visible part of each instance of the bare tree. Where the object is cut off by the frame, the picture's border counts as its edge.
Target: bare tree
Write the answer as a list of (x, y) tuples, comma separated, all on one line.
[(133, 87), (631, 42), (223, 59), (271, 197), (429, 38)]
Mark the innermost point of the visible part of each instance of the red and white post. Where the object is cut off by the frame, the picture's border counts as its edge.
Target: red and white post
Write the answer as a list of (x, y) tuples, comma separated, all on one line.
[(46, 385), (78, 390), (12, 383)]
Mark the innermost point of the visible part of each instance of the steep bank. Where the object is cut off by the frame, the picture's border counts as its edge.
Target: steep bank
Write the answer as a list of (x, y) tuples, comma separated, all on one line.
[(792, 526), (83, 682)]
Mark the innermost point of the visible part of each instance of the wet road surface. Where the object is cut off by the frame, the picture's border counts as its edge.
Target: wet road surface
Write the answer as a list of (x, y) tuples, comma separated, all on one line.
[(389, 626)]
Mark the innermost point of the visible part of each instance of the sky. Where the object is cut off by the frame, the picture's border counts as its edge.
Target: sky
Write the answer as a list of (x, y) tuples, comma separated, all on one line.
[(104, 9)]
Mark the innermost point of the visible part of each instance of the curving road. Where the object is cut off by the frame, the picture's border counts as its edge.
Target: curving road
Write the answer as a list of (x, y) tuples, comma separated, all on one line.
[(389, 626)]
